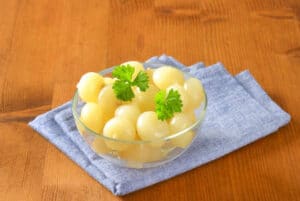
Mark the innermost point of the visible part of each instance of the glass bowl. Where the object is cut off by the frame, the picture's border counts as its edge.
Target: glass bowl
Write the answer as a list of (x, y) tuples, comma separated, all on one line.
[(139, 153)]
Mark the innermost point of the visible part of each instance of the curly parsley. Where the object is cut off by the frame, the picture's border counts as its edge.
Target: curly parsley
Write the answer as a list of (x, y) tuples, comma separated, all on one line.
[(123, 85), (167, 104)]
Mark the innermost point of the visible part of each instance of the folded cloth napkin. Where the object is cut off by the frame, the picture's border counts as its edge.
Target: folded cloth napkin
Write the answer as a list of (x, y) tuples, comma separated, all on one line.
[(238, 113)]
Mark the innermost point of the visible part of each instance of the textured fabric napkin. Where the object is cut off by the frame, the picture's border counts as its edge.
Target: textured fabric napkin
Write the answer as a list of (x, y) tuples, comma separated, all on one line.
[(238, 113)]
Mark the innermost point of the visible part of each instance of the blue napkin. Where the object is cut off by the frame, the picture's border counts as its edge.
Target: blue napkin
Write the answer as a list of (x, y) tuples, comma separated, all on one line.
[(238, 113)]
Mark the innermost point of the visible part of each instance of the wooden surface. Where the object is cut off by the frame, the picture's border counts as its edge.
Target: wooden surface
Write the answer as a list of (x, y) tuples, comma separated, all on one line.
[(46, 45)]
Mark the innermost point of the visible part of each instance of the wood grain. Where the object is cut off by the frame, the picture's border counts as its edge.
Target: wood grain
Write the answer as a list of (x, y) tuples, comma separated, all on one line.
[(45, 46)]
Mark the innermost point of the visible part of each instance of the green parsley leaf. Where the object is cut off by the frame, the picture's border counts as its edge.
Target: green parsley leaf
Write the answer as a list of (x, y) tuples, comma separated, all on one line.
[(166, 104), (123, 90), (123, 85), (123, 72), (141, 81)]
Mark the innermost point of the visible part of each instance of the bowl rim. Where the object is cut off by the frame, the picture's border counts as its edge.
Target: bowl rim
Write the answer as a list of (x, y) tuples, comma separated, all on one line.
[(169, 137)]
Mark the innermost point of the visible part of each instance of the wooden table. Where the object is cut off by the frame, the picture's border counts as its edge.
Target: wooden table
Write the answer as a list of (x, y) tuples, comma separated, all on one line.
[(46, 45)]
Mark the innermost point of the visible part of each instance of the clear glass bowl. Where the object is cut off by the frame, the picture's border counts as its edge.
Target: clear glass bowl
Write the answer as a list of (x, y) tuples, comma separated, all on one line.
[(139, 153)]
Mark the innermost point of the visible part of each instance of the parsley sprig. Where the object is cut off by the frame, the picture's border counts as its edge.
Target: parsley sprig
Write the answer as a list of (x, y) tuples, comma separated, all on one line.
[(166, 104), (123, 85)]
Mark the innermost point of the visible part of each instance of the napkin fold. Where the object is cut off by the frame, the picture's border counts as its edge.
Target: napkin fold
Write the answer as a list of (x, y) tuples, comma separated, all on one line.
[(239, 112)]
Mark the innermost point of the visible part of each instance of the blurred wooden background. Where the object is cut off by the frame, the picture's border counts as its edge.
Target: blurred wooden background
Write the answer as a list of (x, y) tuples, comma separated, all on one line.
[(46, 45)]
